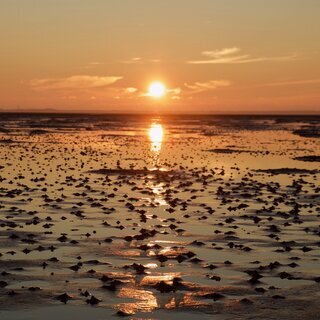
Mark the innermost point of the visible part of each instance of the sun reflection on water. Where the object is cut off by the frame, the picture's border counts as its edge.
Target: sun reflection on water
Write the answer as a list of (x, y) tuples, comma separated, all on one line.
[(146, 301), (156, 137)]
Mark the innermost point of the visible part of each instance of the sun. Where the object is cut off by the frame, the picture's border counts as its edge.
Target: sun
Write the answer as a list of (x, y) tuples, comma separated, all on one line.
[(157, 90)]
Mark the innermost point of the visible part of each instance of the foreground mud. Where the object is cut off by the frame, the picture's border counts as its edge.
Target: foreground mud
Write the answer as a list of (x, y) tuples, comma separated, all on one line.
[(198, 217)]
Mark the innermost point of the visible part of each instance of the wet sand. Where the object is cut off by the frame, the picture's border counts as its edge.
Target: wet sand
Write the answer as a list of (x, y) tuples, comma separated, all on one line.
[(159, 217)]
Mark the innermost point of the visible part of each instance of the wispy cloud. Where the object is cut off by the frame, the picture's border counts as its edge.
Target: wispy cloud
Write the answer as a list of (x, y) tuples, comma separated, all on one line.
[(233, 56), (130, 90), (73, 82), (132, 60), (292, 83), (198, 87), (137, 60), (174, 91)]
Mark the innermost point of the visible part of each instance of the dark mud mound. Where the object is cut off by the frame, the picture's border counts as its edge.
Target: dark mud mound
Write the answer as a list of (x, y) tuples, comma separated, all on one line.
[(308, 132), (6, 141), (38, 132), (308, 158), (288, 171), (131, 172), (231, 151), (227, 151)]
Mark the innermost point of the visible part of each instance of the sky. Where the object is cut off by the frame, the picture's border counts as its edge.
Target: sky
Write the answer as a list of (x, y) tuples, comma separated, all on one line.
[(213, 56)]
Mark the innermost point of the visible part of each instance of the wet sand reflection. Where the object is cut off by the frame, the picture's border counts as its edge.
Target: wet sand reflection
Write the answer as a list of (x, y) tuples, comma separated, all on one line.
[(156, 137)]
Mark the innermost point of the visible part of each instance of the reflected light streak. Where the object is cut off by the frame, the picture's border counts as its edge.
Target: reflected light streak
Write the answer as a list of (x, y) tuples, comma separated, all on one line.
[(156, 134), (145, 300), (156, 137)]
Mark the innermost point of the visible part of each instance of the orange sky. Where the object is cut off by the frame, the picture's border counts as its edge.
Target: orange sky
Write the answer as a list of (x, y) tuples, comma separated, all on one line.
[(230, 56)]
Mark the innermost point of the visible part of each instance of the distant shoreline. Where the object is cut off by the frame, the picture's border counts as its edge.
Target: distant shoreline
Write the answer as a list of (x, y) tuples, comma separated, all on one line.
[(101, 113)]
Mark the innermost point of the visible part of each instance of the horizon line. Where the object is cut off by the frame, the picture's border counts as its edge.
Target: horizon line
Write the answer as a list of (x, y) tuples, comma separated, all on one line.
[(99, 112)]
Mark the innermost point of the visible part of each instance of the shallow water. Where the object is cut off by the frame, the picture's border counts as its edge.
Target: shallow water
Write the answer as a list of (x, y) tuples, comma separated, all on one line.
[(171, 209)]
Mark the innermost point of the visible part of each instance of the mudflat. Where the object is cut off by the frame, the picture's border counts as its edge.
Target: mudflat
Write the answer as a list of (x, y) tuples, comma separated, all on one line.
[(155, 217)]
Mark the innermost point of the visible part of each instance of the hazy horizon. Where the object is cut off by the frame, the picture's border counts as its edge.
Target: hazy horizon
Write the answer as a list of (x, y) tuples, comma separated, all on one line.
[(159, 112)]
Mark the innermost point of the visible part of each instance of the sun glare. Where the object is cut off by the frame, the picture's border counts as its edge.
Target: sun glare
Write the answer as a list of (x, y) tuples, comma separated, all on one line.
[(156, 138), (157, 90), (156, 133)]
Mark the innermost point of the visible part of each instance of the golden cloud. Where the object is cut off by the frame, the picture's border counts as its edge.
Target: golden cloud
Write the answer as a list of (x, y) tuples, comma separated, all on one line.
[(230, 56), (73, 82)]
